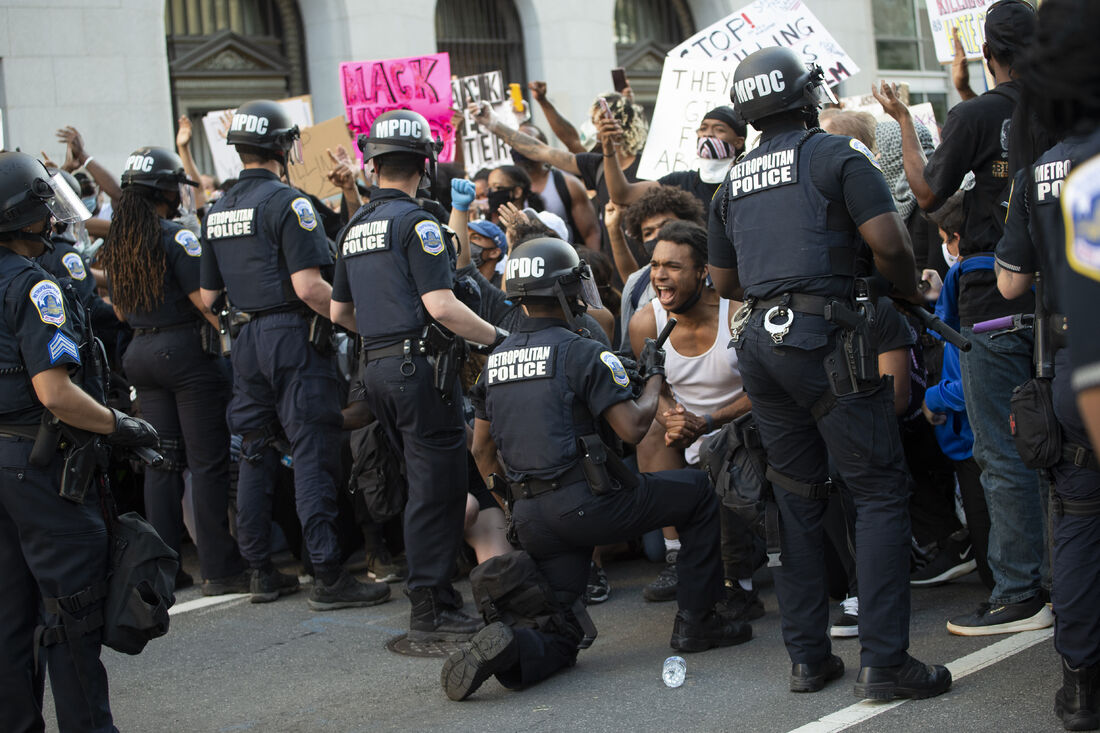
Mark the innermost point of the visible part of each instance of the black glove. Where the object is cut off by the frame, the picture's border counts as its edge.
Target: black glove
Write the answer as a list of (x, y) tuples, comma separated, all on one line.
[(132, 432), (651, 361), (501, 335)]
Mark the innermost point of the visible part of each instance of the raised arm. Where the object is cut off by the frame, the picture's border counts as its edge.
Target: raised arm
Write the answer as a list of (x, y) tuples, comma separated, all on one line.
[(911, 152), (183, 148), (523, 143), (562, 128), (77, 157)]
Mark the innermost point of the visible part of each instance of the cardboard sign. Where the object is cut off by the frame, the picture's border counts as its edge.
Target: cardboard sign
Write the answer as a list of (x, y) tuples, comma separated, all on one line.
[(419, 83), (215, 124), (689, 89), (966, 15), (311, 175), (767, 23), (480, 148)]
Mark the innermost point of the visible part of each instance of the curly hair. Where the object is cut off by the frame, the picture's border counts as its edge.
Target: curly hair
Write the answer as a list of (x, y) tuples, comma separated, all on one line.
[(132, 256), (662, 200), (629, 116)]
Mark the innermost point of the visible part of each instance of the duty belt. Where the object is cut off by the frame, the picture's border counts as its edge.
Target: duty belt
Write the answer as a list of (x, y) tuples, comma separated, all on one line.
[(533, 487), (779, 312), (300, 308), (411, 346), (163, 329), (30, 432)]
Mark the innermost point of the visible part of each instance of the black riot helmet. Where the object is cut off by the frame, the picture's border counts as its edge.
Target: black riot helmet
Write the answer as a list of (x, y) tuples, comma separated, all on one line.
[(548, 268), (265, 125), (153, 167), (774, 80), (399, 131), (28, 194)]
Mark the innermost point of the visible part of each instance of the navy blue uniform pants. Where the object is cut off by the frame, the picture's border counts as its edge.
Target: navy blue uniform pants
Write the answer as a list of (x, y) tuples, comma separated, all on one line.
[(1075, 559), (431, 436), (49, 548), (183, 393), (280, 380), (860, 434), (560, 529)]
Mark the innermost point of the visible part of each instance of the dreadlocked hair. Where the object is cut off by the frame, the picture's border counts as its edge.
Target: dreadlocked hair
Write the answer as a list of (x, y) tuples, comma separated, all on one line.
[(1058, 75), (132, 256)]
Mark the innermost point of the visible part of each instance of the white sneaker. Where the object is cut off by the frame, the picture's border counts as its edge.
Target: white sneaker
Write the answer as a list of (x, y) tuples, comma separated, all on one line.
[(847, 624)]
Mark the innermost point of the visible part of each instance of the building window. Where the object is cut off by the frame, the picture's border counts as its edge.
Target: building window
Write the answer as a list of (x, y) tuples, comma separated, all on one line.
[(903, 38), (646, 30), (481, 36)]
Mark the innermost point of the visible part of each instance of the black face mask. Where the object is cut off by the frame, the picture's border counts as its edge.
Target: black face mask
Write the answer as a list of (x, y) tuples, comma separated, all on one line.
[(519, 158), (650, 245), (498, 199)]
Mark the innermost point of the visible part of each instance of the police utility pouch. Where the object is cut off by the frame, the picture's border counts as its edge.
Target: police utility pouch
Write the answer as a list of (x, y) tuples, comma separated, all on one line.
[(735, 462), (320, 335), (447, 353), (140, 585), (594, 464), (1035, 428)]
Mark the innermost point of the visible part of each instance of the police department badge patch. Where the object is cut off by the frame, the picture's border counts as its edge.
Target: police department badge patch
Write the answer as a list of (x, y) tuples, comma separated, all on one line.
[(618, 373), (861, 148), (1081, 206), (61, 344), (431, 239), (307, 217), (190, 243), (74, 265), (46, 296)]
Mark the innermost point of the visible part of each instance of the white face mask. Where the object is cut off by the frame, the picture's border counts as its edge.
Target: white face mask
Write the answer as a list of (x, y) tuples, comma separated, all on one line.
[(949, 258), (714, 171)]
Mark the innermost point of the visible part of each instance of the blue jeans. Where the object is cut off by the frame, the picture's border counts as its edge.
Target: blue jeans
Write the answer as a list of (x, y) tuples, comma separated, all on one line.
[(1013, 492)]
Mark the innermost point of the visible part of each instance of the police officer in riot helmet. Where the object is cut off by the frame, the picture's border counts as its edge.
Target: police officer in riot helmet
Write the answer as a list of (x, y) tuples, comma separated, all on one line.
[(394, 278), (550, 403), (265, 248), (152, 264), (53, 540), (783, 234)]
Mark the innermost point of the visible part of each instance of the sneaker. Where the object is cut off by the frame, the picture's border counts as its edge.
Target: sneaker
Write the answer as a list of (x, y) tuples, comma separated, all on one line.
[(663, 587), (1004, 618), (239, 583), (910, 680), (697, 631), (346, 592), (267, 585), (812, 677), (846, 624), (492, 650), (598, 590), (385, 568), (953, 559), (432, 619), (741, 604)]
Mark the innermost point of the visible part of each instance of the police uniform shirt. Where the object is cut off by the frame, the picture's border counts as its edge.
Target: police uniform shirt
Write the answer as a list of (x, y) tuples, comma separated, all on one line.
[(255, 237), (390, 255), (841, 169), (528, 388), (65, 261), (182, 255), (38, 333), (1081, 285)]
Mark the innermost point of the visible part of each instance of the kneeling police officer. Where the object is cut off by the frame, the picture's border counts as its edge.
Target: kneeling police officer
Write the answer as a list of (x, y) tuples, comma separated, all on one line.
[(551, 397), (784, 231), (53, 540)]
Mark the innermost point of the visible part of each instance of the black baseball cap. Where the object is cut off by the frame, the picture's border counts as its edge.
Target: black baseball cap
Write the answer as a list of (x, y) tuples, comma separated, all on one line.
[(1009, 27)]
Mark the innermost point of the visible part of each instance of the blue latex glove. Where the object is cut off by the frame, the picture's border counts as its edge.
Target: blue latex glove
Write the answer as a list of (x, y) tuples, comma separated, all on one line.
[(462, 193)]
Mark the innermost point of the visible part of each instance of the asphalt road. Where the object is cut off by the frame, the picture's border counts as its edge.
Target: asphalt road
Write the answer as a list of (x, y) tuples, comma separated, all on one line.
[(234, 666)]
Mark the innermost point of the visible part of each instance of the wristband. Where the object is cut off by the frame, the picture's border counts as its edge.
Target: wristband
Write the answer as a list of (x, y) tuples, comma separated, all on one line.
[(710, 422), (87, 159)]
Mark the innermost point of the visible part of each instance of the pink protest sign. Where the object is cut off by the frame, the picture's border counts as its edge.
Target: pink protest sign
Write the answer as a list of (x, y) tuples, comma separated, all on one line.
[(419, 83)]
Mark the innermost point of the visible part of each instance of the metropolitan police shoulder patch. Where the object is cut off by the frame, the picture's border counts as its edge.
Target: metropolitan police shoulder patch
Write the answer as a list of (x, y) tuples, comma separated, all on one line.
[(46, 296), (75, 265), (431, 238), (618, 373), (190, 243), (307, 217), (1081, 208), (859, 147)]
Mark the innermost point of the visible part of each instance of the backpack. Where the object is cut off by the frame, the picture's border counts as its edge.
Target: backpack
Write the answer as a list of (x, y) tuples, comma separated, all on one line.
[(377, 473), (734, 461)]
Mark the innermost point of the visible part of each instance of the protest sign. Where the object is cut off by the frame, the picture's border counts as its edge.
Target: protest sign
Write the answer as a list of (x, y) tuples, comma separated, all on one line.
[(923, 112), (481, 148), (311, 175), (689, 89), (419, 83), (766, 23), (966, 15), (216, 125)]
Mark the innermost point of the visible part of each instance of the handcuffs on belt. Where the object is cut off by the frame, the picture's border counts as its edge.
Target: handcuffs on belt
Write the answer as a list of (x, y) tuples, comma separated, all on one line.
[(777, 329)]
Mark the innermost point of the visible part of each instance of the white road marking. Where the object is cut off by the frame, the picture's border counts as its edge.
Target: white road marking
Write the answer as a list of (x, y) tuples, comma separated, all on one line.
[(198, 603), (961, 667)]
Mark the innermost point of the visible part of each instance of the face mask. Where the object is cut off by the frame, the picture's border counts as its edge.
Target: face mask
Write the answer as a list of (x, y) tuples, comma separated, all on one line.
[(714, 148), (89, 203), (498, 199), (519, 158), (476, 255), (713, 171), (949, 258), (650, 245)]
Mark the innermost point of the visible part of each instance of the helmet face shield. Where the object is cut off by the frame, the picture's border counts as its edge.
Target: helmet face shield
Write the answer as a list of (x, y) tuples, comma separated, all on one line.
[(187, 199), (294, 154), (64, 203), (589, 292), (819, 91)]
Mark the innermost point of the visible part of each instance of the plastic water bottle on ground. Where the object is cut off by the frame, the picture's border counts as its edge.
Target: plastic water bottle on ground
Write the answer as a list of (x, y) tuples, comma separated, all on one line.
[(674, 671)]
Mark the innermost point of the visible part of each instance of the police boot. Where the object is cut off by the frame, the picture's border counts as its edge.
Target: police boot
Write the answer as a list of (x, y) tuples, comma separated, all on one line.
[(1078, 702), (697, 631), (434, 619), (492, 650)]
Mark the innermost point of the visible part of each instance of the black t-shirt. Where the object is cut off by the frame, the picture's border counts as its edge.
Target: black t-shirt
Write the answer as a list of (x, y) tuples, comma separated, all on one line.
[(590, 166), (691, 182)]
